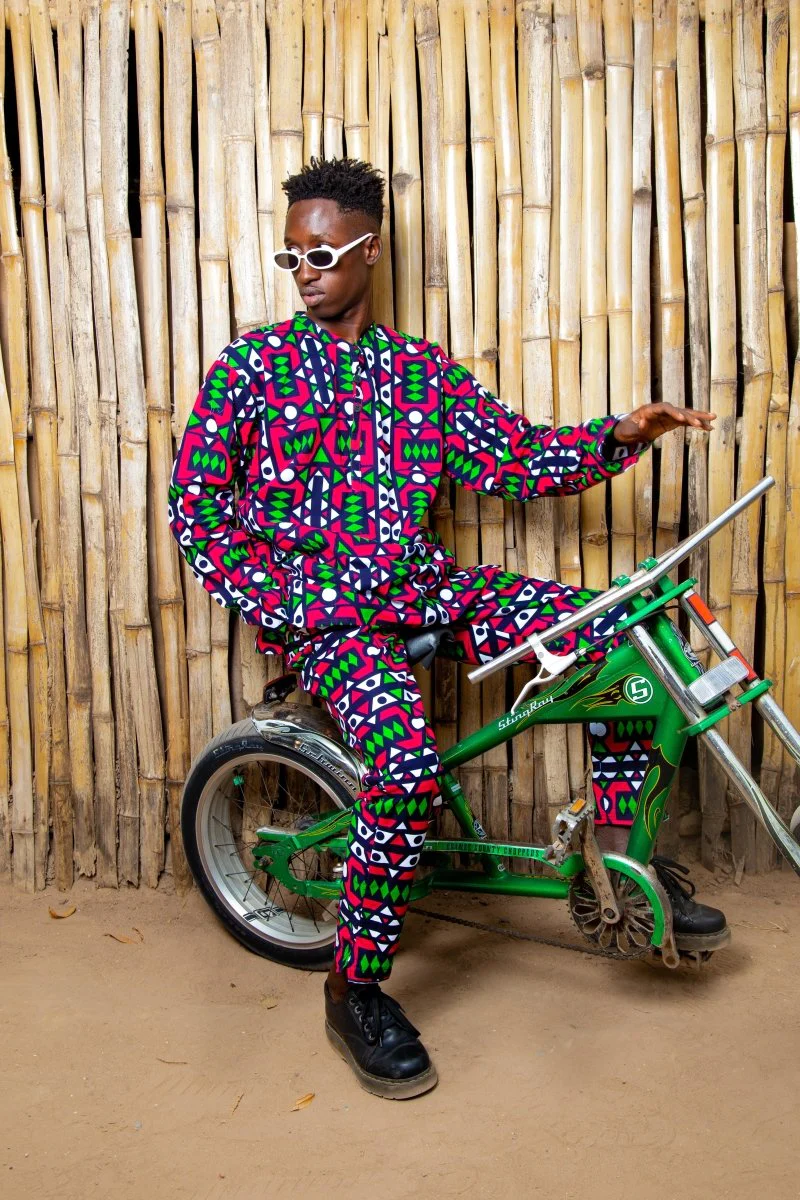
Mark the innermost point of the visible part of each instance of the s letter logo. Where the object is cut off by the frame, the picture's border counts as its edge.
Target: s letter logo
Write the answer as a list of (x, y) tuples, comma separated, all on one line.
[(637, 689)]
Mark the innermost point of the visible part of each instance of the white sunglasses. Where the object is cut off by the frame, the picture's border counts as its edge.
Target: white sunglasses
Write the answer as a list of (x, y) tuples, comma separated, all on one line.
[(321, 258)]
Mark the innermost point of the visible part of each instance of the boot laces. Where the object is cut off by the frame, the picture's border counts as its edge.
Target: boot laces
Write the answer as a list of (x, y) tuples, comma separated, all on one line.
[(377, 1012), (673, 875)]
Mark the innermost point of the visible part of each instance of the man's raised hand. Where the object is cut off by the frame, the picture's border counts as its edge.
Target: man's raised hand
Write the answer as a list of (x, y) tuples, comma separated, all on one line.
[(647, 423)]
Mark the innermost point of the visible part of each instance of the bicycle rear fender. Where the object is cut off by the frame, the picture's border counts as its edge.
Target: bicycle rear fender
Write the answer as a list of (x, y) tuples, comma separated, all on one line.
[(311, 732)]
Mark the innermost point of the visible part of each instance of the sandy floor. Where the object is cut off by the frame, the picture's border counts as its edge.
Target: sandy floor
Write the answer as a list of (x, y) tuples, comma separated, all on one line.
[(169, 1066)]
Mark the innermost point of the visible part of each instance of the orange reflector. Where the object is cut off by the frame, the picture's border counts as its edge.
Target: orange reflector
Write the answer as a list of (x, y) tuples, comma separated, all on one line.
[(701, 608)]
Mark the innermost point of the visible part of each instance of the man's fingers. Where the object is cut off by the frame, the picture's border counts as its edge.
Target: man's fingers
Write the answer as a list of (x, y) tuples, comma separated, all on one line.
[(688, 416)]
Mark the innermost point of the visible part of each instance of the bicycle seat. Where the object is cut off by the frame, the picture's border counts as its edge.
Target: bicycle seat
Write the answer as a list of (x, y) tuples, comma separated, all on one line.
[(422, 642)]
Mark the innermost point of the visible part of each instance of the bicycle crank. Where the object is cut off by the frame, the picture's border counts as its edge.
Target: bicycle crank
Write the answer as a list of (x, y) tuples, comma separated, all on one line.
[(639, 926)]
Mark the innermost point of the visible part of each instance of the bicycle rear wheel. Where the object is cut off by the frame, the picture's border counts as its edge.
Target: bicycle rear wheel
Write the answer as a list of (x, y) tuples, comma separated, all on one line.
[(242, 782)]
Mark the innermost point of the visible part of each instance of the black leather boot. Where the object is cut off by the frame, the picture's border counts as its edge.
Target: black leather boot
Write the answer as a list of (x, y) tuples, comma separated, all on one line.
[(696, 926), (373, 1035)]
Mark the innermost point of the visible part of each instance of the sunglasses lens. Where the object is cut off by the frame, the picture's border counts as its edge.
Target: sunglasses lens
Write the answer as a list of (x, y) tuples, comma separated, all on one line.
[(321, 259), (286, 260)]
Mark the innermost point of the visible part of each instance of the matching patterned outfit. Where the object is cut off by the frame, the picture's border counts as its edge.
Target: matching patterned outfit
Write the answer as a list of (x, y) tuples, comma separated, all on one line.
[(297, 497)]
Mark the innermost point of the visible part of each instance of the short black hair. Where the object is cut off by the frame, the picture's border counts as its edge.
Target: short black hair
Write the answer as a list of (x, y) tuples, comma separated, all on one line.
[(355, 186)]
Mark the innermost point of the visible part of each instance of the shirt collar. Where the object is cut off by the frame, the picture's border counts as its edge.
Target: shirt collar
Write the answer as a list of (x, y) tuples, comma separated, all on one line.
[(331, 358), (303, 323)]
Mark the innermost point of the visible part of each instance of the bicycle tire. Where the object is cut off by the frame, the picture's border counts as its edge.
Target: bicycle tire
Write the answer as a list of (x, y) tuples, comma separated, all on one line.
[(253, 915)]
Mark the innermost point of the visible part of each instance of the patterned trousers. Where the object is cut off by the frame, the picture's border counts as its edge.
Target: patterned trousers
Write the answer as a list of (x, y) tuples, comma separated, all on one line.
[(364, 679)]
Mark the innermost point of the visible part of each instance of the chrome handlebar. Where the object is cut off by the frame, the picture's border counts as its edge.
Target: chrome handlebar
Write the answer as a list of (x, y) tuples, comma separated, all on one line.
[(641, 578)]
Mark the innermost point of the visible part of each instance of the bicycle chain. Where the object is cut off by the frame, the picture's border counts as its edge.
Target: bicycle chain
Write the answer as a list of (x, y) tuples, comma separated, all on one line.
[(522, 937)]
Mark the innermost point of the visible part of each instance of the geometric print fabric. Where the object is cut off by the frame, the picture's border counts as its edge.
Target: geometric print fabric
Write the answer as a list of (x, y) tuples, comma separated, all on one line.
[(308, 464), (363, 677)]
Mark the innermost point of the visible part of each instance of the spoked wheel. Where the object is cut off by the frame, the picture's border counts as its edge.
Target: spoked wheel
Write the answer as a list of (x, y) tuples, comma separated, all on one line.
[(632, 935), (241, 783)]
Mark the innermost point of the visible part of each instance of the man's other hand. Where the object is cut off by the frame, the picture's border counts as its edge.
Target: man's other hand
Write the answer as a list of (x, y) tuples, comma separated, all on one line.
[(647, 423)]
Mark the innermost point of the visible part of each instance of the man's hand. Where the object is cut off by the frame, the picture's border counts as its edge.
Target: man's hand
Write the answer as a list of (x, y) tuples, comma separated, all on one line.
[(647, 423)]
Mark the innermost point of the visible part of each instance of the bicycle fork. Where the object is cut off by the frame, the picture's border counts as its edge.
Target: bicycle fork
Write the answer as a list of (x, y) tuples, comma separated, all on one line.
[(708, 699)]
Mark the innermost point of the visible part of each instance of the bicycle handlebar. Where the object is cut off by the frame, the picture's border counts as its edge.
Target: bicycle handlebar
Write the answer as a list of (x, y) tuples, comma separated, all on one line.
[(641, 578)]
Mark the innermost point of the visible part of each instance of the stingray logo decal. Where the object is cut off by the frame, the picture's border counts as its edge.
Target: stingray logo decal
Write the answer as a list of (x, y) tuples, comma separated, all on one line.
[(637, 689), (521, 713)]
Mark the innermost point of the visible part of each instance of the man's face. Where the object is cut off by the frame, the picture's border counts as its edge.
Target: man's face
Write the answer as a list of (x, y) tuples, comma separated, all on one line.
[(331, 294)]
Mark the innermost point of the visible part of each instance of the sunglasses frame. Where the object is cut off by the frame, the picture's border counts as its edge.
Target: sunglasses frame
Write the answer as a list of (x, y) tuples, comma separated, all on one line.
[(336, 251)]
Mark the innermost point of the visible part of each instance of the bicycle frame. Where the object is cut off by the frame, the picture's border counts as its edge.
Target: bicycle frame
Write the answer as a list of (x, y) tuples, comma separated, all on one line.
[(647, 677)]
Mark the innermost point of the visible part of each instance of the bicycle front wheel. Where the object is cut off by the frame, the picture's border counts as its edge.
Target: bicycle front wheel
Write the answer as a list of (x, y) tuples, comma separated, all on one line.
[(242, 782)]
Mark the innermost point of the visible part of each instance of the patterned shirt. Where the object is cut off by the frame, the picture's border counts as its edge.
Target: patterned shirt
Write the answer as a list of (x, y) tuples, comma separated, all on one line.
[(308, 465)]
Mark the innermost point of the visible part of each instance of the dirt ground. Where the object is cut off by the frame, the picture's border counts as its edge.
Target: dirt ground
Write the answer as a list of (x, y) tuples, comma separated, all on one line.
[(168, 1065)]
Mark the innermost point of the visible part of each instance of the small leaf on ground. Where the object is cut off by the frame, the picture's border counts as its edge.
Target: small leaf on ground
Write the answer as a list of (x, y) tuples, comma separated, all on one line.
[(123, 937), (303, 1102), (58, 913), (269, 1001)]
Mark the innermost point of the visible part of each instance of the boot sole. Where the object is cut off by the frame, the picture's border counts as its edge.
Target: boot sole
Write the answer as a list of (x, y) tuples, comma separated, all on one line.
[(703, 941), (389, 1089)]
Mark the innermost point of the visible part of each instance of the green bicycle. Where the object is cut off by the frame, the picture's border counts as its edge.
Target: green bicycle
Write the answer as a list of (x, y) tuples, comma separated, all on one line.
[(266, 805)]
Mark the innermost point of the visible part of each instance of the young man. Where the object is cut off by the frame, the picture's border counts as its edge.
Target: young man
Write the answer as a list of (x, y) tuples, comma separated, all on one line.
[(336, 432)]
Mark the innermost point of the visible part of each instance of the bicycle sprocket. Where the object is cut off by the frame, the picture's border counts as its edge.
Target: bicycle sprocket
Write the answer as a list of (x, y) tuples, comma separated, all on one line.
[(631, 936)]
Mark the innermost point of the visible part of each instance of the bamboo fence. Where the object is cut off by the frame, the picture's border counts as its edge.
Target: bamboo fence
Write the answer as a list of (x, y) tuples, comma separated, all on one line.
[(586, 205)]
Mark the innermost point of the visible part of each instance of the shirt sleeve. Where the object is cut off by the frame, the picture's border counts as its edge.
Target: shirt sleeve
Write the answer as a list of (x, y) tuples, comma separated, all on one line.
[(232, 565), (491, 449)]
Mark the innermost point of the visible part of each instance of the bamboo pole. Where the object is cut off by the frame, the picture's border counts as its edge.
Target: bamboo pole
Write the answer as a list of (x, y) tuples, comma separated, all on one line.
[(406, 181), (542, 779), (215, 324), (313, 65), (265, 186), (673, 295), (16, 765), (115, 26), (430, 67), (79, 689), (445, 675), (618, 30), (43, 409), (520, 800), (286, 42), (640, 256), (249, 297), (484, 239), (569, 347), (694, 232), (165, 590), (87, 403), (379, 81), (122, 841), (720, 166), (790, 790), (461, 347), (594, 315), (554, 261), (484, 209), (751, 136), (166, 586), (356, 110), (773, 761), (16, 760), (571, 176), (238, 107), (46, 716), (180, 204), (333, 98), (435, 279)]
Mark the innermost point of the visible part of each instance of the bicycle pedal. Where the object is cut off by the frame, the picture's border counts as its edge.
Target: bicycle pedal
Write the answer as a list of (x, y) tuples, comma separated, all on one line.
[(565, 826)]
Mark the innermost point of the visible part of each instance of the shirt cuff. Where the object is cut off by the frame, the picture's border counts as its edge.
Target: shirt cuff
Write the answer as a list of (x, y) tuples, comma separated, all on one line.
[(619, 452)]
